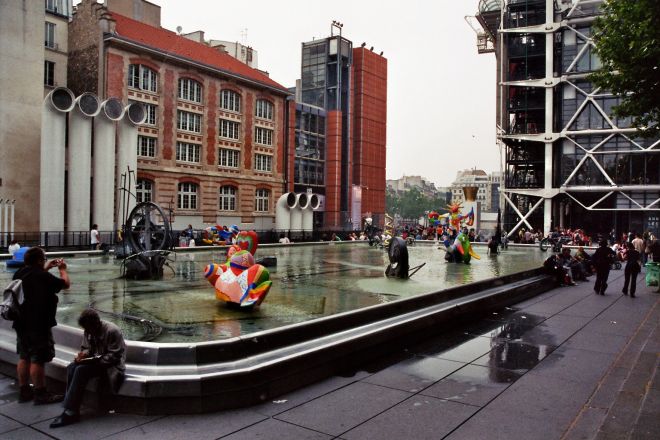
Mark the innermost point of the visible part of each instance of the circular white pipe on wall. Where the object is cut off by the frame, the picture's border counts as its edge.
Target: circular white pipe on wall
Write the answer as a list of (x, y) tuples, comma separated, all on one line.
[(103, 163), (297, 211), (308, 213), (134, 115), (80, 162), (283, 211), (52, 158)]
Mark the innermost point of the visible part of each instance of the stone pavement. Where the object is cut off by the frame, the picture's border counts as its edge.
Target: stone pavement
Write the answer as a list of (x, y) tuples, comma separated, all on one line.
[(567, 364)]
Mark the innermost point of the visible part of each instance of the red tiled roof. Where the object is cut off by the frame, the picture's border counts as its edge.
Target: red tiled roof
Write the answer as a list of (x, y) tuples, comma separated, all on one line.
[(169, 42)]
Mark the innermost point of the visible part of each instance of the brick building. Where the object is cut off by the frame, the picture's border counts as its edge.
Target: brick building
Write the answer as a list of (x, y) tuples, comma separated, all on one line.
[(212, 146)]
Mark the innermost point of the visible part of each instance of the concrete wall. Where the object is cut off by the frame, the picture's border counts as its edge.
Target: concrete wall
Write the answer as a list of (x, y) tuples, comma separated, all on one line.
[(139, 10), (21, 83)]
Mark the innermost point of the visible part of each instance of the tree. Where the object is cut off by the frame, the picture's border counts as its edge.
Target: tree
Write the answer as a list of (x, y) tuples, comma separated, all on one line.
[(628, 43)]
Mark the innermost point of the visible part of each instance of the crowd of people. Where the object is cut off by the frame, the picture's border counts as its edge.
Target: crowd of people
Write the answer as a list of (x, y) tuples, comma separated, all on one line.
[(632, 250)]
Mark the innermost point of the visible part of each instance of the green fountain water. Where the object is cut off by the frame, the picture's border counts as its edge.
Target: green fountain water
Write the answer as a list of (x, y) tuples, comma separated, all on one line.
[(309, 282)]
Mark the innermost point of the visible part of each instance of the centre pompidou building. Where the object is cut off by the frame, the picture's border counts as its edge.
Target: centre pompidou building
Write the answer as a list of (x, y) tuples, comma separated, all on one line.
[(568, 161)]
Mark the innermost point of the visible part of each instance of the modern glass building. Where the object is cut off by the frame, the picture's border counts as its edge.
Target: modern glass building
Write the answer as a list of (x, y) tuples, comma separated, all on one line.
[(340, 130), (568, 161)]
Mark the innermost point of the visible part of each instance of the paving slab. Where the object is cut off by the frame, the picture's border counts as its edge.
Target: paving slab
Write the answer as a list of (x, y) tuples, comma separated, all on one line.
[(414, 374), (473, 385), (7, 424), (595, 341), (574, 365), (466, 352), (29, 414), (272, 429), (94, 426), (589, 422), (303, 395), (194, 426), (341, 410), (25, 433), (427, 418)]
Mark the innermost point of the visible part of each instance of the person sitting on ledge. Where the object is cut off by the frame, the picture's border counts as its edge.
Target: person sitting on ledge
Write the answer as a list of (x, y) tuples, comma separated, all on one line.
[(102, 355), (554, 266)]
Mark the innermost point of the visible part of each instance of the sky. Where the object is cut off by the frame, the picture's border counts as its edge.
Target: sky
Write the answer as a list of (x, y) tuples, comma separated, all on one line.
[(441, 93)]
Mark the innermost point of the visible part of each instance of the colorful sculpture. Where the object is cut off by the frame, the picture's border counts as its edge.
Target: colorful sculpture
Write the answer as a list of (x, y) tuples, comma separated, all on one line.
[(455, 218), (219, 235), (239, 280), (460, 251)]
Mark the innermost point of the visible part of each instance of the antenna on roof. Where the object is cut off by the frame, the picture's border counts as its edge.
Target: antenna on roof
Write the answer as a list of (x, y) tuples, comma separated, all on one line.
[(244, 34), (179, 29)]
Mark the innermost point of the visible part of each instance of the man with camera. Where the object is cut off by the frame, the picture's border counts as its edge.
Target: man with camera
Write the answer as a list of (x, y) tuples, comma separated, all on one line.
[(34, 337)]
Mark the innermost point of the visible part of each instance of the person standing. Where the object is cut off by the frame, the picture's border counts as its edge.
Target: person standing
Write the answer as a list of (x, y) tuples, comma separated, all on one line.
[(102, 354), (34, 337), (94, 237), (639, 244), (633, 268), (602, 261), (13, 247)]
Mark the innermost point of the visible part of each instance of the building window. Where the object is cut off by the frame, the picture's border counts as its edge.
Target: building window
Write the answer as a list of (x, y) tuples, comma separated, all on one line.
[(228, 158), (142, 78), (54, 6), (190, 90), (49, 73), (144, 191), (186, 152), (261, 200), (187, 196), (50, 35), (230, 100), (229, 129), (187, 121), (263, 162), (146, 146), (264, 109), (150, 112), (263, 136), (227, 198)]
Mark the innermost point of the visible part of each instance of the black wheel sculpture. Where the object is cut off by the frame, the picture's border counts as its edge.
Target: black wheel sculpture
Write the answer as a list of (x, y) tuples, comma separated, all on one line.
[(398, 254), (147, 228), (545, 244)]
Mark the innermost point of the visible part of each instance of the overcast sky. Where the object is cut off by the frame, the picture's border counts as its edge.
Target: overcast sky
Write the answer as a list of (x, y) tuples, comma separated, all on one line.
[(441, 93)]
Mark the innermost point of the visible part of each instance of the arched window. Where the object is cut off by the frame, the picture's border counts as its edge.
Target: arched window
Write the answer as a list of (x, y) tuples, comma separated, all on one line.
[(228, 198), (190, 90), (264, 109), (142, 78), (187, 197), (144, 191), (230, 100), (262, 197)]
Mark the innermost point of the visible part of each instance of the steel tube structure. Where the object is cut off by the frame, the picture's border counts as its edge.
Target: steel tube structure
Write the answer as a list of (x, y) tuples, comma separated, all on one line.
[(57, 104), (103, 166), (79, 159)]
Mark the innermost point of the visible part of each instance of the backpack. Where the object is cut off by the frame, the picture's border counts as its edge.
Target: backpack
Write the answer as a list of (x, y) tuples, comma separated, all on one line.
[(13, 298)]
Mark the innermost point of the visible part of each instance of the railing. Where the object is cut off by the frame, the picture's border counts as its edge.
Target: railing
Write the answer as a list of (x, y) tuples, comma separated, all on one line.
[(80, 240)]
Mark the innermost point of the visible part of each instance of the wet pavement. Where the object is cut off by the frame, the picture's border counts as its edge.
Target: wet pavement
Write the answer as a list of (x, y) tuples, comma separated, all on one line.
[(567, 364)]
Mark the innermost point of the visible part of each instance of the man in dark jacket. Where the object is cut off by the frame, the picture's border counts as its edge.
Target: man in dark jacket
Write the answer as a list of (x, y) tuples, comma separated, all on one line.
[(34, 338), (602, 261), (102, 355), (633, 267)]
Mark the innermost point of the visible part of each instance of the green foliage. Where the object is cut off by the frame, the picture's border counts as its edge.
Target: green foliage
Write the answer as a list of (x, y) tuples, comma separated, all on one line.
[(413, 204), (628, 43)]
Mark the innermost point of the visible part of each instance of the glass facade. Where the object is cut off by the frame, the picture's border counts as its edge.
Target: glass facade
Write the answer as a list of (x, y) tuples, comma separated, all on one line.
[(604, 175), (309, 166)]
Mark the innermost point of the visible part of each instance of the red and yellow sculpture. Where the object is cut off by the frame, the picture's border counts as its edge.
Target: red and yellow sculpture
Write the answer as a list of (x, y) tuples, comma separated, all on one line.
[(455, 218), (239, 280)]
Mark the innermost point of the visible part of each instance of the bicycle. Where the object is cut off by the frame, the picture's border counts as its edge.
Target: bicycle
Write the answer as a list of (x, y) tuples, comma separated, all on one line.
[(555, 243)]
